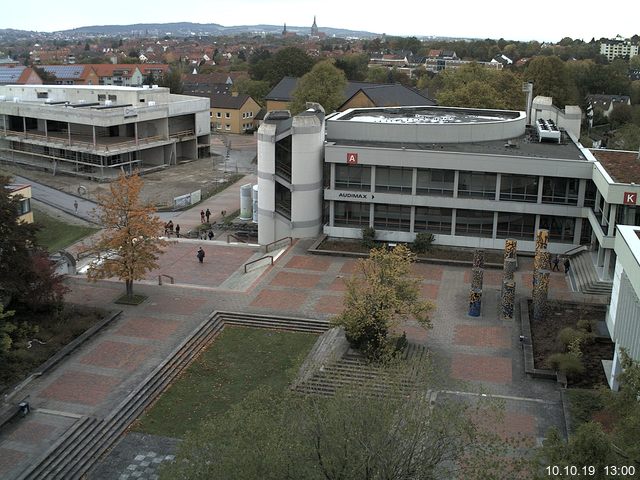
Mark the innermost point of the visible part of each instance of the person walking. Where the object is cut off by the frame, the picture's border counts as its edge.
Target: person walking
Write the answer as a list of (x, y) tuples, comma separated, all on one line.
[(207, 214), (210, 234), (200, 254), (567, 265), (75, 207), (201, 216), (177, 231), (556, 263)]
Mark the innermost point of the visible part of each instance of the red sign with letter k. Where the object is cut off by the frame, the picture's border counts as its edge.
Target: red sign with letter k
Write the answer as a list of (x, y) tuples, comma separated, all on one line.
[(630, 198)]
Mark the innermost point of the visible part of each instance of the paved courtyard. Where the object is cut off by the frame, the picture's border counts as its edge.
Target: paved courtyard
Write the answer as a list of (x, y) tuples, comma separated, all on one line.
[(472, 355)]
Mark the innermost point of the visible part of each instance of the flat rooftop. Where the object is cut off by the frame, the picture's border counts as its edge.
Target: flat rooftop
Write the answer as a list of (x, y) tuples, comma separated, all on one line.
[(622, 166), (518, 147), (426, 115)]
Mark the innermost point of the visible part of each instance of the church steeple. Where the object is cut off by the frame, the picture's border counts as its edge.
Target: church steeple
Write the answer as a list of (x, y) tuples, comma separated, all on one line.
[(284, 32), (314, 28)]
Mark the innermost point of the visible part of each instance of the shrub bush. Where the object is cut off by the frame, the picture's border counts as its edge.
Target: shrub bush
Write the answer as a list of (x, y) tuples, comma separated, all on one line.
[(423, 242), (566, 363), (369, 237), (568, 335)]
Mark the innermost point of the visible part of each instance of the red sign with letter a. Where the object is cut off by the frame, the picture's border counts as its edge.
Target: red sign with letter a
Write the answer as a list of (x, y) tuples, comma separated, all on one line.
[(630, 198), (352, 158)]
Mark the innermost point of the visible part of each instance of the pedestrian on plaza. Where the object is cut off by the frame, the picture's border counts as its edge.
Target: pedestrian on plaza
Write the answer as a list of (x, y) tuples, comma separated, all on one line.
[(567, 265), (200, 254), (210, 234), (177, 231), (556, 262), (75, 207), (207, 214), (202, 216)]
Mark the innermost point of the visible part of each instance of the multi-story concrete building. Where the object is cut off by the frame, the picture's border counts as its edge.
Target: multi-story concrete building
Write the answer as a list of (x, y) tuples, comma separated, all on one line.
[(623, 316), (619, 47), (471, 177), (94, 131)]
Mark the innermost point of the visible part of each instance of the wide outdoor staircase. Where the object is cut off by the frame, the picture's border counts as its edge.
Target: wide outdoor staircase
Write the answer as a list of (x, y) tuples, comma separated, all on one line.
[(352, 370), (584, 276), (76, 452)]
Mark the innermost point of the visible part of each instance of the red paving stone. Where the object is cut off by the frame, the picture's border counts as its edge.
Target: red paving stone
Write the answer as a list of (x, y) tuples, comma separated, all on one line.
[(507, 425), (174, 305), (32, 432), (80, 387), (299, 280), (9, 459), (279, 299), (349, 266), (428, 271), (117, 355), (319, 264), (338, 285), (481, 368), (329, 304), (429, 291), (181, 263), (145, 327), (478, 336), (489, 277), (557, 282)]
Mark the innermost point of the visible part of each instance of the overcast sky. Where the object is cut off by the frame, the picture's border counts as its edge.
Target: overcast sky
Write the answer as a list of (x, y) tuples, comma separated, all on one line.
[(513, 20)]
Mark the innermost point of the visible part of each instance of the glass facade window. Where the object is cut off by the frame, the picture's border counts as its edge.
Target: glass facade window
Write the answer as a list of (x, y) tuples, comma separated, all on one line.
[(519, 188), (474, 223), (590, 194), (283, 201), (351, 214), (435, 182), (283, 158), (25, 206), (561, 229), (392, 217), (477, 185), (433, 220), (562, 191), (394, 179), (353, 177), (516, 225)]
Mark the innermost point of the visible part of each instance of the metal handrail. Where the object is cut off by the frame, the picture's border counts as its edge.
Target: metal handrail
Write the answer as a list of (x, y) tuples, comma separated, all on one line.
[(165, 275), (257, 260), (575, 250), (266, 247)]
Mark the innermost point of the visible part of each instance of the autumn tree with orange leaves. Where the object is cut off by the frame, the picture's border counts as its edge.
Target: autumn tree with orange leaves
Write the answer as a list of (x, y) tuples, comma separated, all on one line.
[(131, 234)]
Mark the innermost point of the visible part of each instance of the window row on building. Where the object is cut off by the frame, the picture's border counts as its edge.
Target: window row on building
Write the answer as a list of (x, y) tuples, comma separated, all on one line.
[(457, 222), (452, 183)]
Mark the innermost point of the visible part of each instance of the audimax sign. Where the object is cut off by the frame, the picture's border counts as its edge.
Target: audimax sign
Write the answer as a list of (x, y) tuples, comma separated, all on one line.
[(360, 196)]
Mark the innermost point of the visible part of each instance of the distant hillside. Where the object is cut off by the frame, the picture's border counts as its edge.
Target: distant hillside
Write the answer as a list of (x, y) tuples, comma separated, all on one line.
[(188, 28)]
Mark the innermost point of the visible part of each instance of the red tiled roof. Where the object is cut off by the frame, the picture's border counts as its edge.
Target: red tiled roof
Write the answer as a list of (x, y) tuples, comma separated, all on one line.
[(623, 167)]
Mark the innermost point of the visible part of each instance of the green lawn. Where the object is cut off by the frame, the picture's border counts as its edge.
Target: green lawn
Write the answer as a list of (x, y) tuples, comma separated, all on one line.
[(237, 362), (54, 234)]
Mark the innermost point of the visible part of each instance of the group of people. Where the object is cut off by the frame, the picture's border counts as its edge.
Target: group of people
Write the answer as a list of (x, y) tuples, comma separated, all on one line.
[(169, 229), (205, 215), (556, 264)]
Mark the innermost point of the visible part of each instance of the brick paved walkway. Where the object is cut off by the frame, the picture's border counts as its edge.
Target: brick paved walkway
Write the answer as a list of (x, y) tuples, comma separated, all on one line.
[(471, 353)]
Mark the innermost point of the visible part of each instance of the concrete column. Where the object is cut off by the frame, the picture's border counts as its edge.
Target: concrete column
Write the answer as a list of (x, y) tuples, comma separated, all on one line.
[(69, 132), (24, 126), (373, 179), (600, 260), (135, 132), (93, 132), (616, 369), (453, 218), (577, 231), (536, 225), (456, 179), (371, 214), (332, 212), (582, 190), (613, 210), (607, 262), (540, 188), (332, 181), (46, 130), (414, 182), (498, 186), (494, 230), (413, 220)]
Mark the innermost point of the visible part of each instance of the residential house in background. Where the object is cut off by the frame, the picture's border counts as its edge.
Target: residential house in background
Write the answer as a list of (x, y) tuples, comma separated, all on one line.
[(233, 113), (123, 75), (19, 75), (24, 209), (356, 94), (72, 74), (606, 103)]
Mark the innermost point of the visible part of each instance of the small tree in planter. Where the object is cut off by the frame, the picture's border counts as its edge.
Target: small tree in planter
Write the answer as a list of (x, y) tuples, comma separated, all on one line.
[(423, 242), (378, 298)]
